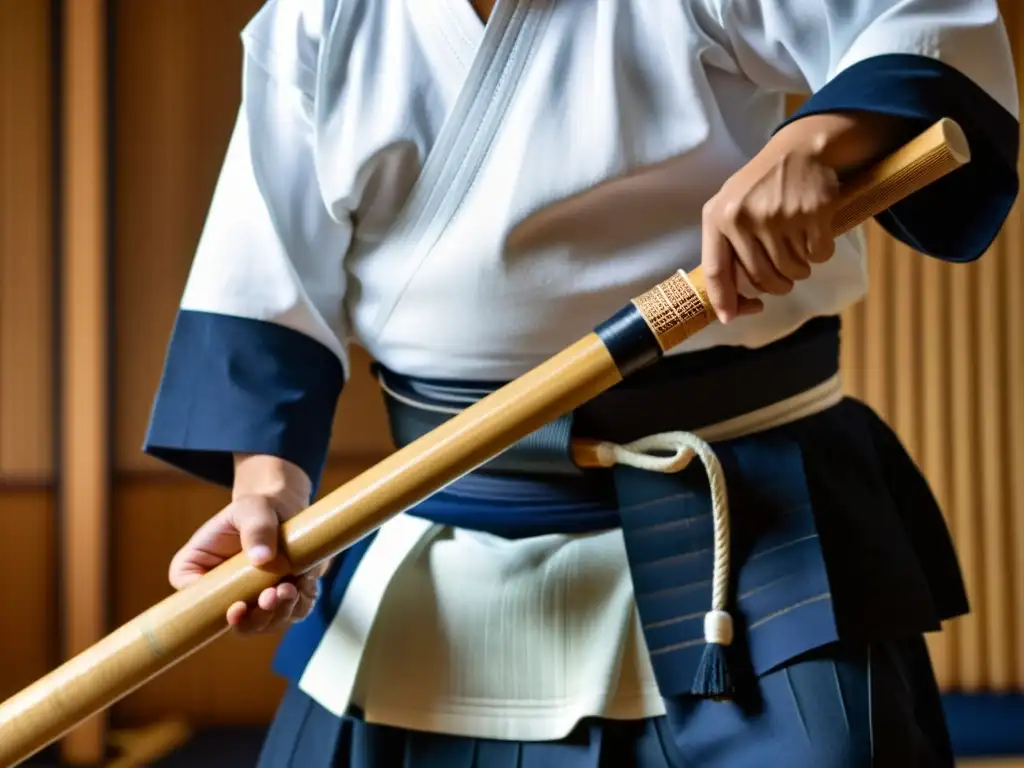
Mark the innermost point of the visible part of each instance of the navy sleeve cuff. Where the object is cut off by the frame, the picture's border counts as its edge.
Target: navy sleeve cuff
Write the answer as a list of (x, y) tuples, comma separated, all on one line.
[(956, 218), (235, 385)]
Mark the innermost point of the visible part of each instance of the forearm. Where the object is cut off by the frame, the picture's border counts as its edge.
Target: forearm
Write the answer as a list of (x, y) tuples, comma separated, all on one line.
[(842, 141)]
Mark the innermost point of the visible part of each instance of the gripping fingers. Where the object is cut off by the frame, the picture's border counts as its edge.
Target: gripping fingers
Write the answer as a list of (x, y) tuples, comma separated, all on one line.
[(789, 258), (757, 263), (308, 591), (273, 608), (820, 244), (719, 270), (291, 600)]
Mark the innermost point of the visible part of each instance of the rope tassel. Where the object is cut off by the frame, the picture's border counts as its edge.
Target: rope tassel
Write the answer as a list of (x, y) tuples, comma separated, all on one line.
[(713, 680)]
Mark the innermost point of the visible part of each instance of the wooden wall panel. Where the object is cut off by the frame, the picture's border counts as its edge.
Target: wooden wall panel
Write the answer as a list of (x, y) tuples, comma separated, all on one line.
[(83, 490), (26, 189), (28, 644)]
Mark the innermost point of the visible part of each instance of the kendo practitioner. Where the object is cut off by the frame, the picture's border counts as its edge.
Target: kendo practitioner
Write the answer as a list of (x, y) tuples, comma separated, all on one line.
[(394, 180)]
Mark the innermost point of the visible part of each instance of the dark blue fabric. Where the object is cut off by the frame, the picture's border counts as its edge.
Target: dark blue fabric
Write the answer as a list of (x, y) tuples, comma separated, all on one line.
[(546, 450), (235, 385), (957, 217), (778, 569), (841, 707), (528, 508), (986, 725)]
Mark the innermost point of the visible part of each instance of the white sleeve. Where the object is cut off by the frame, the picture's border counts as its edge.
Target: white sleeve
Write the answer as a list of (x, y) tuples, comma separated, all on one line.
[(800, 45), (920, 60), (257, 358)]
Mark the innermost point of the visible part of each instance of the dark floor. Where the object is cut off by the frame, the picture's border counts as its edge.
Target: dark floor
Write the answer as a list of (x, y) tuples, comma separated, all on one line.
[(222, 748), (236, 747)]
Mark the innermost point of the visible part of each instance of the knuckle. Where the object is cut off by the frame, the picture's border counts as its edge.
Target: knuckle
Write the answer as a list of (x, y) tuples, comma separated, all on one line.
[(710, 210), (807, 209), (256, 517), (713, 270), (776, 215), (735, 213), (253, 505)]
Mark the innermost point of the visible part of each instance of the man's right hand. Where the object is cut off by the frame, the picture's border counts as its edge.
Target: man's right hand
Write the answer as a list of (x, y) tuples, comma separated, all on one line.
[(267, 492)]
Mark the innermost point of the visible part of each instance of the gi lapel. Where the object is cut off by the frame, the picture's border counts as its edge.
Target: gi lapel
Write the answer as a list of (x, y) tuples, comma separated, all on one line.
[(466, 137)]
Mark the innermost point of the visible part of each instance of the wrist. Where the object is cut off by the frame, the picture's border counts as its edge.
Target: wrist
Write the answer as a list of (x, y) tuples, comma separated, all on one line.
[(271, 477), (843, 141)]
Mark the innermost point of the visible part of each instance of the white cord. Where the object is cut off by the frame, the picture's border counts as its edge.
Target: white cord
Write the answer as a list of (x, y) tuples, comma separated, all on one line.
[(649, 454)]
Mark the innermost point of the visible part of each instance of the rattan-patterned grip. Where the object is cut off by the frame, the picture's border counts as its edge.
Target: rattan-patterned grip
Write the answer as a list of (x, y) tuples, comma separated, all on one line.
[(678, 307), (674, 310)]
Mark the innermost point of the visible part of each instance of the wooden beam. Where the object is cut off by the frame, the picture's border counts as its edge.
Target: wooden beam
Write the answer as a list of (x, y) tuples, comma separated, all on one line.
[(84, 342), (26, 247)]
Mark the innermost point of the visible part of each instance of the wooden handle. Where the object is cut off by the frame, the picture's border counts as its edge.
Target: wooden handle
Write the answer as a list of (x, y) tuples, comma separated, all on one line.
[(187, 620)]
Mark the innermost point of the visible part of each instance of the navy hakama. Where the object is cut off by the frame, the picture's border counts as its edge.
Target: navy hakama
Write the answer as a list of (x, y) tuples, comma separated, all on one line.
[(836, 708)]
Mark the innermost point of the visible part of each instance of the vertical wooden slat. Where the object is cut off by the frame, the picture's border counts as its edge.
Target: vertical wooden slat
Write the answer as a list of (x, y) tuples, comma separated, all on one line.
[(903, 365), (84, 481), (851, 349), (994, 518), (965, 506), (26, 371), (1013, 289), (936, 451), (875, 364)]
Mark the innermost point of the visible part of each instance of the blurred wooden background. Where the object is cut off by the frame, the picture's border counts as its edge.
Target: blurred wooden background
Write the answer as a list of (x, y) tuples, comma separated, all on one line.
[(938, 349)]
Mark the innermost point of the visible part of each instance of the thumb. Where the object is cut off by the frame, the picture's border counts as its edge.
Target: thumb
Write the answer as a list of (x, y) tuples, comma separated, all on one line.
[(257, 524)]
